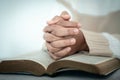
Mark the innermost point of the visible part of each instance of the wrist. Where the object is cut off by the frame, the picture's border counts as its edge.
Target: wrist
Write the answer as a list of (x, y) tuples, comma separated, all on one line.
[(84, 45)]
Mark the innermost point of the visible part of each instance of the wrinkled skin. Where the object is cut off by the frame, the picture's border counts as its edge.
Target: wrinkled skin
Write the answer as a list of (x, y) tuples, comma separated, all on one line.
[(64, 37)]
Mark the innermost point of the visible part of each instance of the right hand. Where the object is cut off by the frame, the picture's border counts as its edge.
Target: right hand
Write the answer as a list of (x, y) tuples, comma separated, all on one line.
[(63, 41)]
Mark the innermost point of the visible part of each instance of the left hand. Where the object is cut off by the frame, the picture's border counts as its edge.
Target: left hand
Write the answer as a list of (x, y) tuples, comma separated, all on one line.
[(64, 38)]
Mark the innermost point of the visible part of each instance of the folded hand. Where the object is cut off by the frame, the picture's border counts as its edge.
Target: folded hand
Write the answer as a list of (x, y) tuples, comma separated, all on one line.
[(63, 37)]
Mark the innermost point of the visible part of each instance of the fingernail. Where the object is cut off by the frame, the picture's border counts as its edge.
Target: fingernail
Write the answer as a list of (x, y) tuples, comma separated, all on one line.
[(72, 41), (79, 25), (76, 31), (68, 49)]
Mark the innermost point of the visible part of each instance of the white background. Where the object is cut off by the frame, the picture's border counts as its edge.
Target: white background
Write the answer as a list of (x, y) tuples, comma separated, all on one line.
[(22, 21)]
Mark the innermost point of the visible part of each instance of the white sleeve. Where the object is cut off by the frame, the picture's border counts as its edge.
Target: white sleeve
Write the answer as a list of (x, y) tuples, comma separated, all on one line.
[(114, 44)]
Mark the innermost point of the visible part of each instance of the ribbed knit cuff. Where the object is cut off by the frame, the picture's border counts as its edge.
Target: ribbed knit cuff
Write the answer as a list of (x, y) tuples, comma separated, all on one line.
[(97, 43), (114, 44)]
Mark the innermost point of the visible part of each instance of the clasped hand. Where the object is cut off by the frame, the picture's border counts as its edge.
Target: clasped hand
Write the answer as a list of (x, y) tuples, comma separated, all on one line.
[(63, 37)]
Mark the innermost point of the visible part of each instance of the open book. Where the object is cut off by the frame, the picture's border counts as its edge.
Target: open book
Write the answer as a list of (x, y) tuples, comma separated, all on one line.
[(39, 63)]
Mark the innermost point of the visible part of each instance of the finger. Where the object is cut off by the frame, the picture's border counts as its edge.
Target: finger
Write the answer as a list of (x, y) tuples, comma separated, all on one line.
[(50, 37), (63, 53), (54, 20), (53, 56), (68, 24), (63, 43), (48, 29), (61, 31), (65, 15), (52, 49)]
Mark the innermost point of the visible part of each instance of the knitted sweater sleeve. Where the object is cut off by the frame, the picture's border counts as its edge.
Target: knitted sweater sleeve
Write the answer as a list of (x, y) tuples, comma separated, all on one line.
[(97, 43), (114, 41)]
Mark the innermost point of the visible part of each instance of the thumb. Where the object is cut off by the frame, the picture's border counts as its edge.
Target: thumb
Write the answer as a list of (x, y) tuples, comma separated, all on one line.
[(65, 15), (54, 20)]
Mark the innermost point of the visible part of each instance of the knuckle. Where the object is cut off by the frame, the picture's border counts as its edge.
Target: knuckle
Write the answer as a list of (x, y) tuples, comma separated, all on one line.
[(47, 28), (47, 37), (59, 31), (60, 22), (50, 37), (58, 44), (54, 32), (54, 44), (51, 49)]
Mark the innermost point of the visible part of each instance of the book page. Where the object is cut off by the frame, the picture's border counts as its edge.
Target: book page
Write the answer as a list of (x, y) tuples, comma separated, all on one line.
[(41, 57), (84, 58)]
